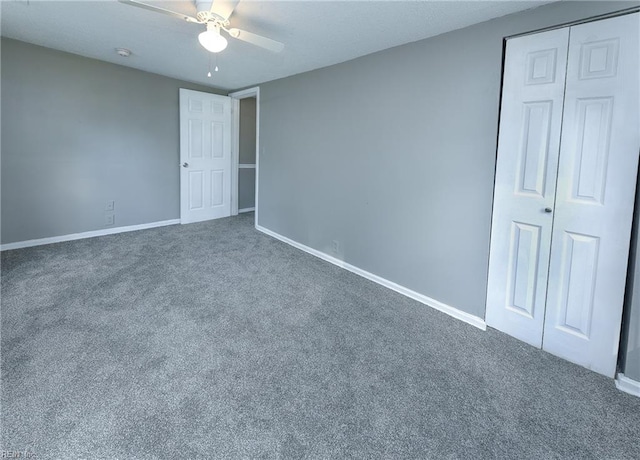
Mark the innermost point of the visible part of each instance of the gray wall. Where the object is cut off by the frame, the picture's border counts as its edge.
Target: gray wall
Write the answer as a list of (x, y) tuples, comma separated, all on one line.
[(247, 147), (246, 188), (77, 133), (247, 153), (392, 155)]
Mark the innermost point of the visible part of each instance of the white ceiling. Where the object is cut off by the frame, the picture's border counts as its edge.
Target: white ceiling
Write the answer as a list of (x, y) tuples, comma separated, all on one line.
[(315, 33)]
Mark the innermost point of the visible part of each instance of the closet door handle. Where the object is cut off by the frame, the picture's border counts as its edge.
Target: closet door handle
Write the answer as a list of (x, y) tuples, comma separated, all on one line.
[(548, 210)]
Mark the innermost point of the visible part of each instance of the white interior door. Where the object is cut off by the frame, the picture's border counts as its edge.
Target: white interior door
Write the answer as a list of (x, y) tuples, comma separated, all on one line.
[(528, 146), (595, 194), (205, 156)]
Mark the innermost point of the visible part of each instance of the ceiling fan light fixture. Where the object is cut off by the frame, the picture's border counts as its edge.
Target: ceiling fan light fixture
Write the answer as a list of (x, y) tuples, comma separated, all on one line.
[(211, 39)]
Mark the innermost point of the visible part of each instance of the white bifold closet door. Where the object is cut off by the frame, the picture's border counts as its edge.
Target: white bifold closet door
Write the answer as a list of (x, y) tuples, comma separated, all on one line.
[(565, 189)]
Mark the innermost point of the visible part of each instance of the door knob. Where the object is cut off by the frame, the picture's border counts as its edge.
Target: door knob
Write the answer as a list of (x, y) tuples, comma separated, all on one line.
[(185, 165), (548, 210)]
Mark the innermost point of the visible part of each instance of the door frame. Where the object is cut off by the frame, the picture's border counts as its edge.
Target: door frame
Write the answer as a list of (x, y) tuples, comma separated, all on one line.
[(599, 17), (235, 145)]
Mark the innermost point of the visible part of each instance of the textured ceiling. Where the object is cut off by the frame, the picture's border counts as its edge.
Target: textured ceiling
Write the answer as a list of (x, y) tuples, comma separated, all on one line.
[(315, 33)]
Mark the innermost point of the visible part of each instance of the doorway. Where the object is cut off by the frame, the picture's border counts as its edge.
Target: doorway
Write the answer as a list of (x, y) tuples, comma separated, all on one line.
[(247, 155), (246, 139)]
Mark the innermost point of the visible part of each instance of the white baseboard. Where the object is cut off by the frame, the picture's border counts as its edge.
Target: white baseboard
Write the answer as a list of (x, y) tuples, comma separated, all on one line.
[(246, 210), (91, 234), (449, 310), (627, 385)]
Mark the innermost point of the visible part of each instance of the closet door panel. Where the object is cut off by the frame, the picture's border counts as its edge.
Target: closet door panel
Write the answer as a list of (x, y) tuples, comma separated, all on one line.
[(595, 194), (528, 146)]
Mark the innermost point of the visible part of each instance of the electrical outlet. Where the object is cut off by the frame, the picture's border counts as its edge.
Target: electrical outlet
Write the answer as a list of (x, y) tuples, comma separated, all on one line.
[(109, 219), (111, 205), (335, 247)]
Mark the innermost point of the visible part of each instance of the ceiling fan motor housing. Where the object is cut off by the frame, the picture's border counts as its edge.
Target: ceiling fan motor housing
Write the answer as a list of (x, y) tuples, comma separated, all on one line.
[(205, 14)]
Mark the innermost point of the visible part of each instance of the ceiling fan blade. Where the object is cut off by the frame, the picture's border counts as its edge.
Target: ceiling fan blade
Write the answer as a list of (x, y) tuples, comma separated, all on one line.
[(157, 9), (223, 8), (258, 40)]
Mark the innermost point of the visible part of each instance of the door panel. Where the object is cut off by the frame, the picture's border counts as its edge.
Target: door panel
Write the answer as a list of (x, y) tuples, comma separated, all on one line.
[(196, 190), (533, 158), (588, 177), (205, 156), (523, 272), (217, 188), (595, 194), (577, 281), (195, 139), (217, 140), (528, 146)]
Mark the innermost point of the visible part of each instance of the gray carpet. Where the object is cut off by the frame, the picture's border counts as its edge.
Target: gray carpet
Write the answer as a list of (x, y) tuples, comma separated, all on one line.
[(212, 340)]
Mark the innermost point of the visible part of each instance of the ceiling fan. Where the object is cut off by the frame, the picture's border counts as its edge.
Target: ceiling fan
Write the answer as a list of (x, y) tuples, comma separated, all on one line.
[(215, 15)]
